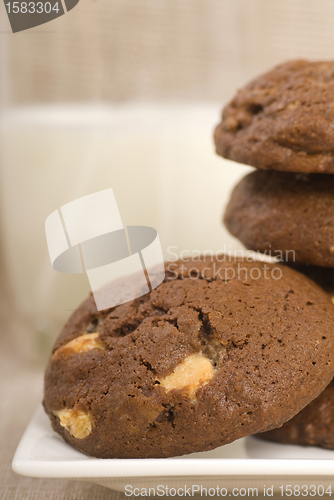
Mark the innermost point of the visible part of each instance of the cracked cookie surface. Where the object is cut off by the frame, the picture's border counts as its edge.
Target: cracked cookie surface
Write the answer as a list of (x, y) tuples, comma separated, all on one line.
[(282, 120), (220, 350)]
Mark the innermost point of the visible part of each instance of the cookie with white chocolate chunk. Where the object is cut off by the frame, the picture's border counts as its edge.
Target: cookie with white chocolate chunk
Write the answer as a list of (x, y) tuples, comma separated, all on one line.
[(195, 364)]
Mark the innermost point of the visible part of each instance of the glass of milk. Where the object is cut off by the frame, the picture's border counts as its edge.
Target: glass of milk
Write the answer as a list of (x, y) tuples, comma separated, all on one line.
[(158, 159)]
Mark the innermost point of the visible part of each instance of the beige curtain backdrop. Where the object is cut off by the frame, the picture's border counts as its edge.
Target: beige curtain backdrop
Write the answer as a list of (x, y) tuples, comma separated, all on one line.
[(161, 49)]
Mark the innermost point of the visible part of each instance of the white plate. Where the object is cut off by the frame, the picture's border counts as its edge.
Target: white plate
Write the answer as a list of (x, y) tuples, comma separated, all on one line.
[(247, 463)]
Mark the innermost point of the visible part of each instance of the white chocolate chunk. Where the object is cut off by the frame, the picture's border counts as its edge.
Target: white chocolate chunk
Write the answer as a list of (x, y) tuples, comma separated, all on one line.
[(76, 422), (81, 344), (195, 371)]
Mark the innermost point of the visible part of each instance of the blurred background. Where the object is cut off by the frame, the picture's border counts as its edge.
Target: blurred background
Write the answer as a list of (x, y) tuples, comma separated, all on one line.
[(122, 94), (126, 94)]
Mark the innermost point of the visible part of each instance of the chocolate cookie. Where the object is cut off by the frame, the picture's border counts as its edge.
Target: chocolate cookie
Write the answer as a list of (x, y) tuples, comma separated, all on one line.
[(290, 215), (282, 120), (221, 349), (313, 426)]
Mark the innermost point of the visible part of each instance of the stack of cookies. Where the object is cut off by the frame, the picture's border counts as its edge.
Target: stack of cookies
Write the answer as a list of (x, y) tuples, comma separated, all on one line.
[(282, 123), (223, 347)]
